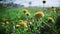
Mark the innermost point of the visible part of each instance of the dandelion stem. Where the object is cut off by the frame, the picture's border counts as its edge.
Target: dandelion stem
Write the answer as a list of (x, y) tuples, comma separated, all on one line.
[(50, 27), (47, 25)]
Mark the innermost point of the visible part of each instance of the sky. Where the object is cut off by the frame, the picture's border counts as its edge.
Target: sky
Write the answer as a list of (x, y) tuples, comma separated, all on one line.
[(38, 3)]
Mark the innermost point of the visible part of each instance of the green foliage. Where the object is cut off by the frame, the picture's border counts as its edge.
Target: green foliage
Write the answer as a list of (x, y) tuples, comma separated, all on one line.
[(14, 15)]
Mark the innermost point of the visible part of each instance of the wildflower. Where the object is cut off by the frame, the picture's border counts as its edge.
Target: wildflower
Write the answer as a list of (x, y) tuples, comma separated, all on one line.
[(39, 15), (27, 14), (7, 22), (44, 1), (30, 22), (54, 10), (50, 19), (25, 11), (52, 7), (23, 24), (17, 25)]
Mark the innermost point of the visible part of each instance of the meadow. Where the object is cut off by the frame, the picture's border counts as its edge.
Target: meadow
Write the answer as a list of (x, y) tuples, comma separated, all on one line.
[(30, 20)]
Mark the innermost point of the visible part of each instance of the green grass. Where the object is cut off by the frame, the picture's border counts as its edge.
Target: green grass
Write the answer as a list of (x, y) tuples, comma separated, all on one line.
[(16, 14)]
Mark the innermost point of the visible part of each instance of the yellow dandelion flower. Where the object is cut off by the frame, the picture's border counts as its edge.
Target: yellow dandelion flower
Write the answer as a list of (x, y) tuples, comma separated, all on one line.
[(54, 10), (7, 22), (23, 24), (50, 19), (30, 22), (27, 14), (44, 1), (17, 25), (25, 11), (52, 7), (39, 15)]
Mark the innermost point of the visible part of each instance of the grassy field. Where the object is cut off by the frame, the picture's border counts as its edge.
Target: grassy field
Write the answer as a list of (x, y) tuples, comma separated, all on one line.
[(11, 19)]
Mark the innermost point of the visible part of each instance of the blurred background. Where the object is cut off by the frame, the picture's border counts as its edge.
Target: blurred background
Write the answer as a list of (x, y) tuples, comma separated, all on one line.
[(34, 3)]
